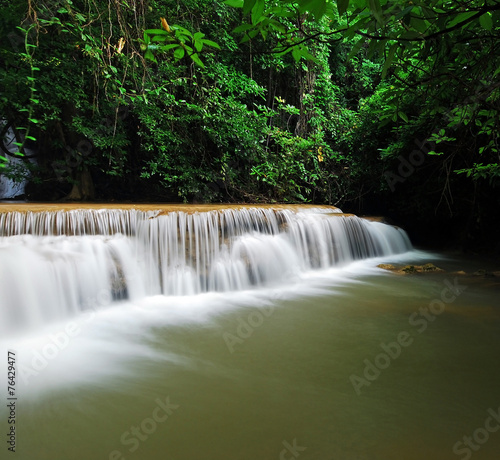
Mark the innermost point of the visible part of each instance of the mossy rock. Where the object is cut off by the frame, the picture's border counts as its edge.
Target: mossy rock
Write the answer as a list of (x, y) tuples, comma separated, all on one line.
[(387, 266), (411, 269), (430, 268)]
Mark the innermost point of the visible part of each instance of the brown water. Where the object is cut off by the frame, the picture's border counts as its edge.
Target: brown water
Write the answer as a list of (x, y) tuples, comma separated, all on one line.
[(268, 374)]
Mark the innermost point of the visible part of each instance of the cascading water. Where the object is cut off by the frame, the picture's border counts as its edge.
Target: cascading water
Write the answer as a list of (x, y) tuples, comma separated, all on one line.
[(55, 264)]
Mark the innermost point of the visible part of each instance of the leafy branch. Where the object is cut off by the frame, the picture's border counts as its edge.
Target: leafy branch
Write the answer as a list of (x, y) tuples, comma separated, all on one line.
[(176, 39)]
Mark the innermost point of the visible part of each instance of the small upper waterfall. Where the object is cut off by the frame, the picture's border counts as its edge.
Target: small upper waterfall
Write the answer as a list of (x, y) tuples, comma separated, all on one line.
[(57, 263)]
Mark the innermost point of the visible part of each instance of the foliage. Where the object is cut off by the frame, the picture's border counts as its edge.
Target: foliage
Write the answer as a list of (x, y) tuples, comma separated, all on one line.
[(254, 100)]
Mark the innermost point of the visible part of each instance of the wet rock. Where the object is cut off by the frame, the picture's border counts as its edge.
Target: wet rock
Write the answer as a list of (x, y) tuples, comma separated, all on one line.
[(431, 268), (411, 269), (387, 266), (485, 273)]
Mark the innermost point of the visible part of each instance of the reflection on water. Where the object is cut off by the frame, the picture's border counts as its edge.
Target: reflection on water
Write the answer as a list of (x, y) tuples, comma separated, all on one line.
[(268, 374)]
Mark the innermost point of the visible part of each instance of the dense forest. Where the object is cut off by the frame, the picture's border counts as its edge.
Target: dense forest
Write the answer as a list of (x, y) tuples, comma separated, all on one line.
[(374, 106)]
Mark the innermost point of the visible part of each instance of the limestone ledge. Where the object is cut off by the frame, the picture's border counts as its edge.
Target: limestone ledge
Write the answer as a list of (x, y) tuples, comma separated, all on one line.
[(163, 208)]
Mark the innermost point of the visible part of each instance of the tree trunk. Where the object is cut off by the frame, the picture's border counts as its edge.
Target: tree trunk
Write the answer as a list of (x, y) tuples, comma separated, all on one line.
[(83, 188)]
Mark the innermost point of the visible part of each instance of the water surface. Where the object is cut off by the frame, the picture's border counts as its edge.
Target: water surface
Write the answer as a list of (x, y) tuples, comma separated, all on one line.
[(268, 373)]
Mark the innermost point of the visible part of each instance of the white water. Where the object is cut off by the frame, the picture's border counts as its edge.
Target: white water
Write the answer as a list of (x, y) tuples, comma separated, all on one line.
[(54, 265)]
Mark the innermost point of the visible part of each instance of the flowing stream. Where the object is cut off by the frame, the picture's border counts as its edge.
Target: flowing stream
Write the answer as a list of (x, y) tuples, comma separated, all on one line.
[(245, 333)]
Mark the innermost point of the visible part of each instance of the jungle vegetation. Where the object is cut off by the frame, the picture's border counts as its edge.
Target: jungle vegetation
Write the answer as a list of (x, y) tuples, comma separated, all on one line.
[(384, 106)]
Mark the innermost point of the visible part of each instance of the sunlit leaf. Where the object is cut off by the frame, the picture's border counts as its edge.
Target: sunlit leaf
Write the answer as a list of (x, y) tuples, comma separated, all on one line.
[(234, 3), (179, 53), (257, 10), (196, 59), (156, 32), (211, 43)]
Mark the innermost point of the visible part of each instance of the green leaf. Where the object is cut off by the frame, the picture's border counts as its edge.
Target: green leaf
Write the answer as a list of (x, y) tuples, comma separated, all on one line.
[(356, 48), (257, 10), (181, 30), (403, 116), (351, 31), (179, 53), (376, 10), (248, 5), (296, 54), (156, 32), (461, 17), (170, 46), (403, 13), (211, 43), (389, 59), (342, 6), (234, 3), (316, 7), (410, 35), (242, 28), (159, 38), (196, 59), (420, 25), (486, 21), (277, 26), (149, 55), (251, 34)]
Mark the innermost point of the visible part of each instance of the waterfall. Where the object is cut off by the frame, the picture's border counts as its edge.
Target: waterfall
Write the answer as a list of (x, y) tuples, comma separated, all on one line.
[(54, 264)]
